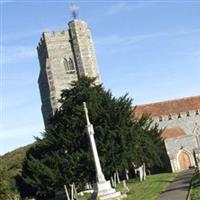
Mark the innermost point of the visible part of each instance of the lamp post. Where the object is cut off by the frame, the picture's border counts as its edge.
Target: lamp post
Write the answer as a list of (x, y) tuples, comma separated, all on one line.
[(102, 188)]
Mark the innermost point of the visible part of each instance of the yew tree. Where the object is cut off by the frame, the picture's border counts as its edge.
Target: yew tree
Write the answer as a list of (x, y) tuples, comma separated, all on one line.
[(63, 155)]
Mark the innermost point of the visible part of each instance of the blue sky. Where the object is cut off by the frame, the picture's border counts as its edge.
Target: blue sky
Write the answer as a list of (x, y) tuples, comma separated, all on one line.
[(150, 49)]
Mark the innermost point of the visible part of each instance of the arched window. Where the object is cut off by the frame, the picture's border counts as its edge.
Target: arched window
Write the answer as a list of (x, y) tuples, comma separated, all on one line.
[(65, 64), (69, 65)]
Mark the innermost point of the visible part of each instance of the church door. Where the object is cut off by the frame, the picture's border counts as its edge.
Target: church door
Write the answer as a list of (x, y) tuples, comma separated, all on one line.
[(184, 161)]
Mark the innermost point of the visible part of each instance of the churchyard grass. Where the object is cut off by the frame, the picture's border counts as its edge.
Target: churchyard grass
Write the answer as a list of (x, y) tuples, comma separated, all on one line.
[(146, 190), (195, 189)]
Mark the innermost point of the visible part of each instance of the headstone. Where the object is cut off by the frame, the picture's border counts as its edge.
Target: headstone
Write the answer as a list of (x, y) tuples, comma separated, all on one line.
[(144, 171), (81, 193), (118, 179), (127, 176), (66, 192), (139, 171), (112, 182), (72, 192), (125, 187), (87, 186), (115, 180), (75, 191)]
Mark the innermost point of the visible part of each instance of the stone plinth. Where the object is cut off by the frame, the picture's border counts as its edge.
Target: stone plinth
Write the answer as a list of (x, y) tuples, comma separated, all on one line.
[(104, 191), (102, 188)]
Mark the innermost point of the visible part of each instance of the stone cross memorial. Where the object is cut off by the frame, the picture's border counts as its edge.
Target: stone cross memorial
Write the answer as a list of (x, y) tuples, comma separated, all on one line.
[(102, 188)]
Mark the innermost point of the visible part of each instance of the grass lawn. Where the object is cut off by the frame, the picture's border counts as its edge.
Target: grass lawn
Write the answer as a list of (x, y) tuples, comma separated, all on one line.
[(195, 194), (146, 190)]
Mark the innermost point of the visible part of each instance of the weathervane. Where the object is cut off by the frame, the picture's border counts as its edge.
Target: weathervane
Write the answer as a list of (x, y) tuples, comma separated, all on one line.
[(74, 10)]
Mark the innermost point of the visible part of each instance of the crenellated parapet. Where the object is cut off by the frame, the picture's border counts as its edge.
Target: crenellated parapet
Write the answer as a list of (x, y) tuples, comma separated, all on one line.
[(64, 56), (55, 34), (179, 121), (180, 115), (41, 44)]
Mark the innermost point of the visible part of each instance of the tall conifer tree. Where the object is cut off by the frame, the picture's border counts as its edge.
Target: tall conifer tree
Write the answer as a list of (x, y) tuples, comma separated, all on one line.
[(63, 155)]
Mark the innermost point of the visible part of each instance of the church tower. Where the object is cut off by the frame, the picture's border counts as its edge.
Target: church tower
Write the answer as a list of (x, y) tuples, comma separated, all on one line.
[(64, 57)]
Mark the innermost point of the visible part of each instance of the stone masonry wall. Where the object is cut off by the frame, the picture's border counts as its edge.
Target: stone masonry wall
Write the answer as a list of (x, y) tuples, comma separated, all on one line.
[(58, 48), (189, 122), (52, 49), (175, 146), (186, 121), (55, 49), (83, 48)]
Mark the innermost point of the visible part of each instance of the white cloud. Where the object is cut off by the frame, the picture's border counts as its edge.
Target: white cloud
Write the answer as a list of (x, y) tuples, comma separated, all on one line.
[(125, 40), (19, 81), (116, 8), (123, 6), (8, 37), (6, 1), (129, 40), (195, 53), (15, 54), (18, 132), (12, 36), (20, 136)]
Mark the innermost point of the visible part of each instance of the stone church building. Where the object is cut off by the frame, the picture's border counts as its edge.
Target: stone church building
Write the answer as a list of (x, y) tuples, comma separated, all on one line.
[(66, 55), (180, 121)]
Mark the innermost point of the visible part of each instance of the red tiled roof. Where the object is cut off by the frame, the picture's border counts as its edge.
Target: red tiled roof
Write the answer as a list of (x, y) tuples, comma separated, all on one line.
[(172, 133), (169, 107)]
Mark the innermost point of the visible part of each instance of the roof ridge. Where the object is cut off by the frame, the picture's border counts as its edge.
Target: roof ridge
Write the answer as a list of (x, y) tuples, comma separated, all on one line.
[(168, 101), (169, 107)]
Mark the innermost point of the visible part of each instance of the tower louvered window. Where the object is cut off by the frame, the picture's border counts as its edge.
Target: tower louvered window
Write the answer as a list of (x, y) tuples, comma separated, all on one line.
[(69, 65)]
